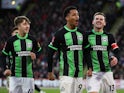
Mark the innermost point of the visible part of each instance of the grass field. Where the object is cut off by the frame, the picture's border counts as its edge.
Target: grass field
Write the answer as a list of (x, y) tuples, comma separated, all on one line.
[(49, 90)]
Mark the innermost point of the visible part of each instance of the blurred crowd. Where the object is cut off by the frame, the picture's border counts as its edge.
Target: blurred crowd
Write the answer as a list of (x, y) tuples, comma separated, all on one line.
[(46, 17)]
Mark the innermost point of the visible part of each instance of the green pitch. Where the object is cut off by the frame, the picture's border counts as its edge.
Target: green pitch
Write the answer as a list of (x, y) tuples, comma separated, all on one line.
[(50, 90)]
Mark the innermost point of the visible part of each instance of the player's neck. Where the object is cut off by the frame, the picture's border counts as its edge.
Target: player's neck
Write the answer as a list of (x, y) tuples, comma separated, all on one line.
[(22, 34), (70, 26), (98, 29)]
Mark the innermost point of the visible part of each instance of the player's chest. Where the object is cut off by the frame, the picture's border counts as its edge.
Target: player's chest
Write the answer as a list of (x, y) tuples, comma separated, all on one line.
[(22, 45), (98, 40), (74, 38)]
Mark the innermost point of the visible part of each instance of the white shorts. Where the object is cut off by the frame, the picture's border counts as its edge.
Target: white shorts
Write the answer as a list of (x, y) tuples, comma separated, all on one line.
[(71, 84), (7, 83), (101, 82), (21, 85)]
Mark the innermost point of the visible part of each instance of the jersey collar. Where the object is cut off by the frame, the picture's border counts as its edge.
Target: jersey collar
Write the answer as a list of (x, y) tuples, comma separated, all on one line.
[(22, 37), (71, 30), (97, 33)]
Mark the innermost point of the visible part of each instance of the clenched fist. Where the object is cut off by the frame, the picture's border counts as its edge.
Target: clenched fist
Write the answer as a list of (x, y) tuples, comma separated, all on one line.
[(7, 72), (33, 56)]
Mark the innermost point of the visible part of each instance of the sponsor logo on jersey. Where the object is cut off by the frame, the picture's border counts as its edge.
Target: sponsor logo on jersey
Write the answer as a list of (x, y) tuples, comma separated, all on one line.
[(23, 53), (80, 38), (29, 45), (105, 39), (99, 47), (75, 47)]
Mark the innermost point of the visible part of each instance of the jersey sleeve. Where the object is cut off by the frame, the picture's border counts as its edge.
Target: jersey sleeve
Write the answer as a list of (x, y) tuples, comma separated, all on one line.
[(85, 41), (36, 46), (112, 42), (86, 51), (52, 47), (5, 54), (113, 45), (55, 42), (7, 48)]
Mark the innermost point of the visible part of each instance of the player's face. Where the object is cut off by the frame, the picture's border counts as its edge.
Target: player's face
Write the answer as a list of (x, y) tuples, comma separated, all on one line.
[(24, 27), (73, 18), (99, 21)]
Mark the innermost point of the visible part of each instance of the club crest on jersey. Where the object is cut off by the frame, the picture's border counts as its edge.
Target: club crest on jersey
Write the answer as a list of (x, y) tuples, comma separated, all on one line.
[(105, 39), (29, 45), (80, 38)]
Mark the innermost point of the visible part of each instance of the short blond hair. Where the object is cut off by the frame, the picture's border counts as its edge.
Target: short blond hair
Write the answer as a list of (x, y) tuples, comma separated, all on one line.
[(19, 19)]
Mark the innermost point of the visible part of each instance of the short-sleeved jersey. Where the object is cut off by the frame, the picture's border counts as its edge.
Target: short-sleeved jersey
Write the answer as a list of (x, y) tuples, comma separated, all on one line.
[(101, 43), (69, 45), (19, 49)]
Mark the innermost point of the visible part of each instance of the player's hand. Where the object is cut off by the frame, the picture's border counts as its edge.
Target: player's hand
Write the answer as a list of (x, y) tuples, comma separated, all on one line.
[(51, 76), (33, 56), (7, 72), (89, 72), (114, 61)]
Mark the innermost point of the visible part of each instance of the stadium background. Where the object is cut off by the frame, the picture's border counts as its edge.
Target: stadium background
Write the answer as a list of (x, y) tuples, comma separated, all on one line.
[(46, 17)]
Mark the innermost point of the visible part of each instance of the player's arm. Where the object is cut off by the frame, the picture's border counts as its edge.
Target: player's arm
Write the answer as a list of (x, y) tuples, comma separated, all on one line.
[(87, 55), (52, 47), (5, 56), (3, 62), (50, 63), (36, 50), (115, 49), (87, 59)]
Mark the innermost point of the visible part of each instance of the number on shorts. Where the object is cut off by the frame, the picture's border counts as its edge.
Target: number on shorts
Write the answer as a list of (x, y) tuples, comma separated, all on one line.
[(111, 87), (80, 87), (30, 91)]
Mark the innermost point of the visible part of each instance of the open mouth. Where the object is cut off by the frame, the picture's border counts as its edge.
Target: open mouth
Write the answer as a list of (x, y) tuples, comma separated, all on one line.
[(77, 21), (98, 23)]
